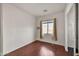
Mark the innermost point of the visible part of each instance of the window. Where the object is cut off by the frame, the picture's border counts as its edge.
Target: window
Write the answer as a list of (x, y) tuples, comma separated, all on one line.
[(48, 27), (51, 28), (44, 29)]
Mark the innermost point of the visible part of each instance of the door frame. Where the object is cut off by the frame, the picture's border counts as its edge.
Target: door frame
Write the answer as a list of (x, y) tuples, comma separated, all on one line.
[(68, 8)]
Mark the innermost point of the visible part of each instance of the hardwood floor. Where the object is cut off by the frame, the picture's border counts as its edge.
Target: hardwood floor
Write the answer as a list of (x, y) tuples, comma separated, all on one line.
[(38, 48)]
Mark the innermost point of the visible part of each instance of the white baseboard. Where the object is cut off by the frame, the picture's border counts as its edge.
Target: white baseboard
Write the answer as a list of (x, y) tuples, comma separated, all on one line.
[(48, 42), (17, 48)]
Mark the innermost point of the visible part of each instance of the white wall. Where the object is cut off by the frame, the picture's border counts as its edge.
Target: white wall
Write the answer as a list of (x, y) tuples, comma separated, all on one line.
[(67, 10), (60, 27), (0, 32), (71, 27), (18, 28)]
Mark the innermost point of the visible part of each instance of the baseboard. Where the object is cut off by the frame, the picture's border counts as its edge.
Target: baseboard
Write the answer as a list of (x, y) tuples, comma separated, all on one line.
[(48, 42), (19, 47)]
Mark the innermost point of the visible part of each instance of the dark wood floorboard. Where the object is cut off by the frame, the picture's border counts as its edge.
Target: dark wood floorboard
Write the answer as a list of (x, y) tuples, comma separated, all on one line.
[(38, 48)]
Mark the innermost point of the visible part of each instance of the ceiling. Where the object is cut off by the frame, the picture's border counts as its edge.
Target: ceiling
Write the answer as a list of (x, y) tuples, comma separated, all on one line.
[(38, 9)]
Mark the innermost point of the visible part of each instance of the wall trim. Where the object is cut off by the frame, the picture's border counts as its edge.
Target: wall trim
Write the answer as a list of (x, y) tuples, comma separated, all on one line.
[(19, 47), (68, 8), (49, 42)]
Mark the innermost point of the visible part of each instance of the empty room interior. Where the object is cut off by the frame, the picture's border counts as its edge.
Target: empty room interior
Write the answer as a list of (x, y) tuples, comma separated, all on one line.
[(39, 29)]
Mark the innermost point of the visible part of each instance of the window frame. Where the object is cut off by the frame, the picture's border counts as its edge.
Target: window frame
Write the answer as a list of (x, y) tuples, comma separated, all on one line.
[(55, 28)]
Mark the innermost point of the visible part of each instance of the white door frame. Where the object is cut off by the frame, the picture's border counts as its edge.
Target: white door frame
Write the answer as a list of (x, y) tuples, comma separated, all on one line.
[(68, 8)]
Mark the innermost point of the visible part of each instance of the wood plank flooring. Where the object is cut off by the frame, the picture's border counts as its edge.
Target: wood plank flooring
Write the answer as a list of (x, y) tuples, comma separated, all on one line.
[(38, 48)]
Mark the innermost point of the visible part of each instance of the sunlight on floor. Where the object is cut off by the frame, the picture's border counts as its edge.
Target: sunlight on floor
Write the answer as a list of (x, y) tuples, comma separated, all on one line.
[(46, 52)]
